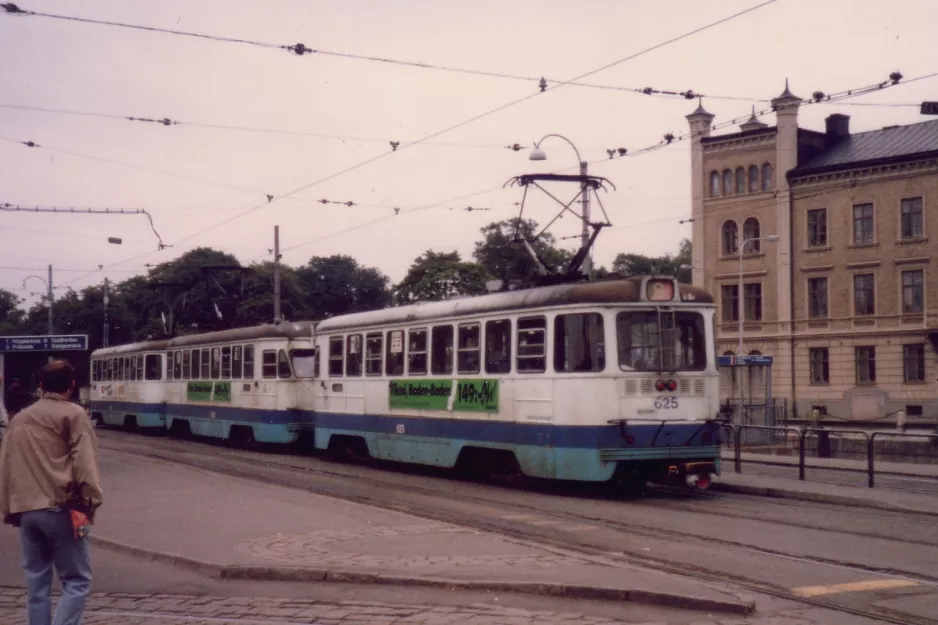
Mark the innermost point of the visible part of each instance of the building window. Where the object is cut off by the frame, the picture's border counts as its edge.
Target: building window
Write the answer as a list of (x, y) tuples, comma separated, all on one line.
[(730, 238), (866, 364), (753, 179), (817, 227), (766, 177), (864, 294), (863, 223), (820, 365), (913, 291), (740, 181), (753, 295), (750, 233), (729, 297), (913, 358), (817, 298), (727, 182), (913, 219), (714, 184)]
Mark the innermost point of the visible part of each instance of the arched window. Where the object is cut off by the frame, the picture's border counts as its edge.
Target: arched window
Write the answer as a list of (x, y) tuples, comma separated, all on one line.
[(740, 181), (753, 179), (727, 182), (766, 177), (730, 238), (751, 231), (714, 184)]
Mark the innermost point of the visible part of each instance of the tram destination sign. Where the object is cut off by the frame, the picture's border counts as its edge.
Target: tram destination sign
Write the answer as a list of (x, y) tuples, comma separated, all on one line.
[(49, 343)]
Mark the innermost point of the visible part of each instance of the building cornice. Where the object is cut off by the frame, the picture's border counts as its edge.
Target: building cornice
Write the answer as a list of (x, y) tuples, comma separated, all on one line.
[(920, 163), (736, 142)]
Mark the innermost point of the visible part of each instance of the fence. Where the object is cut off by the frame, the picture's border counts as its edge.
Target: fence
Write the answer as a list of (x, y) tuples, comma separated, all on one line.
[(822, 447)]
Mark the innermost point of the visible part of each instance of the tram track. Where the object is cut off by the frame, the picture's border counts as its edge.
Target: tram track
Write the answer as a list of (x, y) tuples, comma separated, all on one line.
[(428, 502)]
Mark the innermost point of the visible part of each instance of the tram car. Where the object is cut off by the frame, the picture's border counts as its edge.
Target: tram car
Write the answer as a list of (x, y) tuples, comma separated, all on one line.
[(246, 384), (591, 381)]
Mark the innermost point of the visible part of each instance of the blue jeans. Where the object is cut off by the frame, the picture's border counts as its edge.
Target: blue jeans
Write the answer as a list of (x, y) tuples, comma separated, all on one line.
[(48, 540)]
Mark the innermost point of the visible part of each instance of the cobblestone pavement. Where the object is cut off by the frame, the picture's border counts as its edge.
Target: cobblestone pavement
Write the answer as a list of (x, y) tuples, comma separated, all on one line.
[(167, 609)]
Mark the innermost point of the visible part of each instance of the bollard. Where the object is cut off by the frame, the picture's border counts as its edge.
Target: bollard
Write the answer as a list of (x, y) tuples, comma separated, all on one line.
[(900, 420)]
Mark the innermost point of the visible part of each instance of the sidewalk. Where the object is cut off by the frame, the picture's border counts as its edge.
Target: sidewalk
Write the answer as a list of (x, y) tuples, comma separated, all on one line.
[(860, 466), (236, 528)]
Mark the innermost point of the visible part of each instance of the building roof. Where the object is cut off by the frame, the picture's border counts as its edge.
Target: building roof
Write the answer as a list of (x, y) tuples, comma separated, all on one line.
[(891, 142)]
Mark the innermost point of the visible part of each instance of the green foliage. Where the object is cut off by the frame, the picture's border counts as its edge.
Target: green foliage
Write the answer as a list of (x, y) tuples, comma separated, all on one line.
[(437, 276), (639, 264), (506, 258)]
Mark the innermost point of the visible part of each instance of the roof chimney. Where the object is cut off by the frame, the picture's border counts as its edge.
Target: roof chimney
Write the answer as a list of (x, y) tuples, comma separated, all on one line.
[(838, 125)]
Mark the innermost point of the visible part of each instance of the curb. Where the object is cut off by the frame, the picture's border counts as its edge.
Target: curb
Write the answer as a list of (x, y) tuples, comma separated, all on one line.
[(784, 493), (298, 574)]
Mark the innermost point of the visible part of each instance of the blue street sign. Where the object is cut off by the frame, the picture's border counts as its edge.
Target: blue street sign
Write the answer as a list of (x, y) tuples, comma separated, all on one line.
[(743, 361), (52, 343)]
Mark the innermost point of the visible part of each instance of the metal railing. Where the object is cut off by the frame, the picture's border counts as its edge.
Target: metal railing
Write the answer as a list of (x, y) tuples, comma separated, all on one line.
[(801, 434)]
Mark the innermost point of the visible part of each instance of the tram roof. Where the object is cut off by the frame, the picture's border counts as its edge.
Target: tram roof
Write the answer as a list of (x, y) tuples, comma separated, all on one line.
[(601, 292), (285, 330)]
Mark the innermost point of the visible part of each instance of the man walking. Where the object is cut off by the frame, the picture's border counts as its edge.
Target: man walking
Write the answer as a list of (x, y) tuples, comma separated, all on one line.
[(50, 488)]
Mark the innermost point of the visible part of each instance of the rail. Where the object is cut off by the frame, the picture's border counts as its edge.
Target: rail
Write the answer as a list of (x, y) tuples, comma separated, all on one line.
[(736, 432), (871, 450)]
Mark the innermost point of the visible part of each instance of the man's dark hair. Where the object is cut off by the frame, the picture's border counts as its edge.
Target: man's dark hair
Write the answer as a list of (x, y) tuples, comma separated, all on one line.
[(57, 376)]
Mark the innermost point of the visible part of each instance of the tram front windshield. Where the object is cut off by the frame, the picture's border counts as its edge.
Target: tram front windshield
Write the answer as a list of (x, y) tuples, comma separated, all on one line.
[(661, 340)]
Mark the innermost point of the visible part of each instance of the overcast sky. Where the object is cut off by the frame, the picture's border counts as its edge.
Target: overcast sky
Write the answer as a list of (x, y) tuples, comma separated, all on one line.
[(360, 106)]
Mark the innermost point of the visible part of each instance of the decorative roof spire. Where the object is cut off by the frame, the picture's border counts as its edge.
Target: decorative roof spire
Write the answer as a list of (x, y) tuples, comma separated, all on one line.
[(787, 94), (753, 122), (700, 111)]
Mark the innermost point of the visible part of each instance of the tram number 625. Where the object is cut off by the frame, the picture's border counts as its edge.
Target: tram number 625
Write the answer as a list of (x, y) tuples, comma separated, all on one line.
[(665, 403)]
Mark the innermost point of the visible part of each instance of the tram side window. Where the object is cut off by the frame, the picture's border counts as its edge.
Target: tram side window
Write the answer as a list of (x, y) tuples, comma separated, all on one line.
[(120, 369), (237, 362), (441, 356), (216, 363), (196, 364), (206, 365), (417, 352), (153, 367), (177, 365), (225, 363), (395, 360), (353, 358), (374, 349), (269, 364), (470, 348), (532, 345), (129, 368), (336, 346), (140, 367), (498, 346), (94, 370), (248, 362), (579, 343), (169, 365), (283, 365), (187, 365), (112, 369)]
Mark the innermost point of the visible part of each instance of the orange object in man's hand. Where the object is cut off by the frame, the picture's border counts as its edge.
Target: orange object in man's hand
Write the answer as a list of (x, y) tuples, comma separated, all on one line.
[(81, 524)]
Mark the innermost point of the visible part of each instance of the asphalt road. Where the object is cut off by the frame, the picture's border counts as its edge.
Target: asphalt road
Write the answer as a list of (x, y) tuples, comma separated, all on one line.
[(859, 559)]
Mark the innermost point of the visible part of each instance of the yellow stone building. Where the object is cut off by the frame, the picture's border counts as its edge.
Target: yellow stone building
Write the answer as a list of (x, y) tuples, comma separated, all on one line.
[(844, 300)]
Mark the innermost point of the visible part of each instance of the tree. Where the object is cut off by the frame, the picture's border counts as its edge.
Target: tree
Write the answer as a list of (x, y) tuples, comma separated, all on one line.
[(337, 285), (503, 256), (256, 305), (641, 265), (436, 276), (11, 316)]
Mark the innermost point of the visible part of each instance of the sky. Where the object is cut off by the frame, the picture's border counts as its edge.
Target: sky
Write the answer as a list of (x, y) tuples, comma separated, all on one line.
[(322, 123)]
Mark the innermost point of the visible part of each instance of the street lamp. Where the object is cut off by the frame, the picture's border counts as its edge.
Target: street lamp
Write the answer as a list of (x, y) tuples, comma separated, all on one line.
[(537, 154), (48, 296), (740, 301)]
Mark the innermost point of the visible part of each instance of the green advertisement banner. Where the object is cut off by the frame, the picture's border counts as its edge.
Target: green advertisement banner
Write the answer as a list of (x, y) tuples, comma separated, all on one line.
[(471, 395), (209, 391)]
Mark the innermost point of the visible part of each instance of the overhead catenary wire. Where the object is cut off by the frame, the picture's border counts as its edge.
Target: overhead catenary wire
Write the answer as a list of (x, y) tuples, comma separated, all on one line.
[(88, 211), (300, 49), (543, 89)]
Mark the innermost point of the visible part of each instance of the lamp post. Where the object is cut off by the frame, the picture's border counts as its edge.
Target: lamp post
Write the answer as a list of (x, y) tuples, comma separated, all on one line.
[(48, 296), (537, 154), (740, 301)]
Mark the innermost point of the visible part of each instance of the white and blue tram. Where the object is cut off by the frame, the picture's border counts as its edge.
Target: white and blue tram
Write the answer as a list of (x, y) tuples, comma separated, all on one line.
[(591, 381), (583, 381), (241, 384)]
